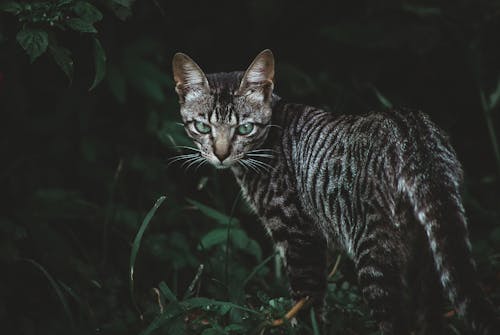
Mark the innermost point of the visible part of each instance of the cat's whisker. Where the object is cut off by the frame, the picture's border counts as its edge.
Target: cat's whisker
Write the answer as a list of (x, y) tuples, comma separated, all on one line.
[(200, 164), (187, 147), (196, 161), (262, 164), (180, 158), (261, 155), (274, 125), (251, 166), (189, 160)]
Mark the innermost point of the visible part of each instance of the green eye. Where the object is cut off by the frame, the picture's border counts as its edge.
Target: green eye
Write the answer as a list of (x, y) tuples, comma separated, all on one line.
[(202, 127), (245, 128)]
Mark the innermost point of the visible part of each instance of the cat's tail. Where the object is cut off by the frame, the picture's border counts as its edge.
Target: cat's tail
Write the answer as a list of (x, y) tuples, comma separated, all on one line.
[(432, 180)]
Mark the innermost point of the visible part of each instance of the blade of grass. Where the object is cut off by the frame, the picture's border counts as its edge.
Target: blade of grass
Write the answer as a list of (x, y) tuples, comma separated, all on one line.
[(56, 288), (314, 322), (167, 292), (136, 245), (257, 269)]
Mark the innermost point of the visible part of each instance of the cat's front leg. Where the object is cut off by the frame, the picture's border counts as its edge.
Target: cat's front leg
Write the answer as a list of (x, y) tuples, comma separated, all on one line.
[(304, 254)]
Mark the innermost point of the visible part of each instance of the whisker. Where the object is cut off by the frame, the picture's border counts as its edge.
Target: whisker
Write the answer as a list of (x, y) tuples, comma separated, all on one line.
[(251, 166), (187, 147), (197, 160), (189, 160), (274, 125), (180, 158), (260, 155), (261, 164)]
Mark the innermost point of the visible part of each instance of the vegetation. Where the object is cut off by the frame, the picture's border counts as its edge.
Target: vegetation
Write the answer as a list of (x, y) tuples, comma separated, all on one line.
[(98, 234)]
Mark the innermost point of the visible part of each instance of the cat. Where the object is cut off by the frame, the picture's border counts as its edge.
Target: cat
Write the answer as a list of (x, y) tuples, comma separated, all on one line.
[(383, 188)]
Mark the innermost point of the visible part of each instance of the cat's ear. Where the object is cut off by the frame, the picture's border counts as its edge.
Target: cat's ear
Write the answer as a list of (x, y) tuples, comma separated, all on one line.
[(258, 78), (190, 81)]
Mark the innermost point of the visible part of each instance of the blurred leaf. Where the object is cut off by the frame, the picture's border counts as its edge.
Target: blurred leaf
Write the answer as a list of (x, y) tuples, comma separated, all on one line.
[(137, 243), (87, 12), (80, 25), (62, 57), (56, 288), (382, 99), (214, 214), (421, 11), (214, 237), (494, 97), (99, 62), (116, 83), (167, 292), (33, 41), (11, 7)]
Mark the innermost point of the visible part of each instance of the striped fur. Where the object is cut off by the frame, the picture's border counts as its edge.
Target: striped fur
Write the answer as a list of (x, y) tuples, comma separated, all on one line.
[(384, 188)]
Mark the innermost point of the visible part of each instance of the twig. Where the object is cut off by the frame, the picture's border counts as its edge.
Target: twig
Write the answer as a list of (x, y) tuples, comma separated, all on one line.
[(158, 298), (335, 268), (291, 313), (302, 302)]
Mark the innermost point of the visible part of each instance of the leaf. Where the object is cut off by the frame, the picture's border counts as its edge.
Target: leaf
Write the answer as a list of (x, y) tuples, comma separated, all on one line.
[(33, 41), (62, 58), (81, 25), (382, 99), (167, 292), (495, 97), (100, 63), (116, 83), (55, 286), (314, 322), (11, 7), (214, 214), (137, 243), (87, 12), (124, 3), (214, 237)]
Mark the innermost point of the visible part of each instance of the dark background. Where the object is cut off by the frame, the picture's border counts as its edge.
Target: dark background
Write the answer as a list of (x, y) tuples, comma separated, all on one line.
[(80, 168)]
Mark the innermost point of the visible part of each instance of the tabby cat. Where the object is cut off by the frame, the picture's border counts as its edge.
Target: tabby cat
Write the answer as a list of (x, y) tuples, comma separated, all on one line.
[(384, 188)]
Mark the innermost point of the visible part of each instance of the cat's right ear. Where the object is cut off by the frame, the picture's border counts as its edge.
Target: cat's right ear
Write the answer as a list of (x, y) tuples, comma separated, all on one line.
[(258, 78), (190, 81)]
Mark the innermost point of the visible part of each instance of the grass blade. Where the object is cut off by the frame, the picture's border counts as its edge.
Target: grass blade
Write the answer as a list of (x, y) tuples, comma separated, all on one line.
[(314, 323), (137, 244), (55, 286)]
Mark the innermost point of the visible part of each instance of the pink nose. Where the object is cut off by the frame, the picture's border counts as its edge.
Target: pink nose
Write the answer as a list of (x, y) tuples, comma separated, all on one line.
[(221, 155)]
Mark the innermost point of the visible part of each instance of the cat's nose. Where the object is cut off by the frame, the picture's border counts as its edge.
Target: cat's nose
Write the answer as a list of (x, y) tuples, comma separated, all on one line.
[(221, 155), (221, 150)]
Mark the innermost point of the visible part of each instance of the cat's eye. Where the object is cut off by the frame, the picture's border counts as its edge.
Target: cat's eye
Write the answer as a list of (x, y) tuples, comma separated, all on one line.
[(245, 128), (201, 127)]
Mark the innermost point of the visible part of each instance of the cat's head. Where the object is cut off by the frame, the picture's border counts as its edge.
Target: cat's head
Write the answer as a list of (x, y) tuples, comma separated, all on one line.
[(226, 114)]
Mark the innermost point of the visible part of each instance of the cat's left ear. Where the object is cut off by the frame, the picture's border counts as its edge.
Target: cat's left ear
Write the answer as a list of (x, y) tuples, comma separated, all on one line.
[(190, 81), (258, 78)]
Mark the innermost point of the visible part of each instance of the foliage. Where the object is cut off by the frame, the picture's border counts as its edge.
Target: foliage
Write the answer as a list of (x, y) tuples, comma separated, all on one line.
[(89, 118)]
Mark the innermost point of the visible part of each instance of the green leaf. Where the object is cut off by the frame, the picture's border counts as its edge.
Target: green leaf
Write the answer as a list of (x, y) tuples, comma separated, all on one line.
[(56, 288), (382, 99), (124, 3), (214, 214), (314, 322), (167, 292), (81, 25), (87, 12), (100, 63), (116, 83), (11, 7), (214, 237), (33, 41), (137, 243), (62, 58)]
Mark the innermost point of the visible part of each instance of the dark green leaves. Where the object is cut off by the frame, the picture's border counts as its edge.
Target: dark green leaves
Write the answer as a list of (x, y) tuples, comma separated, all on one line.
[(87, 12), (33, 41), (62, 57), (11, 7), (100, 63), (81, 25)]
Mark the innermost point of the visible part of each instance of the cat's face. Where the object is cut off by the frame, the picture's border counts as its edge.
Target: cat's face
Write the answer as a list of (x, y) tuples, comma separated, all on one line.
[(226, 114)]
